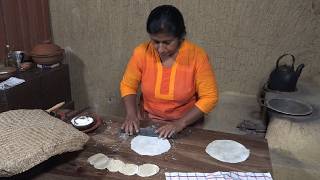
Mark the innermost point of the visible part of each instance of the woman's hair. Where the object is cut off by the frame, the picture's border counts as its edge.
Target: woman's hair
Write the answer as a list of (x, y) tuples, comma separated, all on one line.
[(166, 19)]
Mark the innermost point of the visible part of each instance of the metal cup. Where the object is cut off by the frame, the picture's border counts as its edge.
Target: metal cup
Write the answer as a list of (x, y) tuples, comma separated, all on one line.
[(17, 56)]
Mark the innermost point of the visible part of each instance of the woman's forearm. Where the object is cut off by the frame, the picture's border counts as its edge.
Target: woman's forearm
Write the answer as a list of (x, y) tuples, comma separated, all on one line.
[(130, 104), (191, 116), (131, 122), (176, 126)]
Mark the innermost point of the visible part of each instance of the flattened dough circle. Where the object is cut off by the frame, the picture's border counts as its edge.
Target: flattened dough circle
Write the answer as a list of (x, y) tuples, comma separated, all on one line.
[(227, 151), (147, 170), (115, 165), (150, 146), (102, 163), (94, 158), (129, 169)]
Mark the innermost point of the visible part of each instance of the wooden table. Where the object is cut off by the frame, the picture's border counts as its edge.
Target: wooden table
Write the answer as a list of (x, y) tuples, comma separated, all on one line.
[(187, 154)]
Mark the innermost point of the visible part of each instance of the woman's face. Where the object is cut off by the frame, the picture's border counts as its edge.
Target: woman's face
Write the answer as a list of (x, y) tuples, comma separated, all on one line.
[(166, 45)]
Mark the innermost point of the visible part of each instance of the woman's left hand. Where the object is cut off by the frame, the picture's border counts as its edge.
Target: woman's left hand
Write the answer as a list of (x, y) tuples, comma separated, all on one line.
[(170, 128)]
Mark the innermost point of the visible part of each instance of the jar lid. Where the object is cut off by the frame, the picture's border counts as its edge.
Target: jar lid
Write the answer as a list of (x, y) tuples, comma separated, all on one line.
[(47, 48)]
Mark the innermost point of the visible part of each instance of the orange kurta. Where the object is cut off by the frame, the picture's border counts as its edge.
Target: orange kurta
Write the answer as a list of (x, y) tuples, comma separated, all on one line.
[(169, 93)]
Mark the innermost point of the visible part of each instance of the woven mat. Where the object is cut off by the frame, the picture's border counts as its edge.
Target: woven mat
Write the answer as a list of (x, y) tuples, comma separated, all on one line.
[(29, 137)]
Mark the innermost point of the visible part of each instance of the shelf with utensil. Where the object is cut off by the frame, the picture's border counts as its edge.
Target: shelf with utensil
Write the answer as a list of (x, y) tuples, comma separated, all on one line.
[(42, 89)]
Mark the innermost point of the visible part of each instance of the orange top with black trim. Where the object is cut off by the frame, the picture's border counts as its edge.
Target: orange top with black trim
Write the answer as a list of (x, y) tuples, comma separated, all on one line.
[(168, 93)]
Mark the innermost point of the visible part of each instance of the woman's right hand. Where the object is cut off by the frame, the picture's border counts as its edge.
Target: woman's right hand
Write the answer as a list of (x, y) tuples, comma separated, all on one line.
[(131, 124)]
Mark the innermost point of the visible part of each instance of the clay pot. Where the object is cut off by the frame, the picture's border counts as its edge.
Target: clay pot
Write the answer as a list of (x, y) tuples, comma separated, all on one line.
[(47, 60), (46, 49), (47, 53)]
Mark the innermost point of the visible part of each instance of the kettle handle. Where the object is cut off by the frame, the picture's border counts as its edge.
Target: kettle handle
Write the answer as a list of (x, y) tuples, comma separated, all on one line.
[(293, 60)]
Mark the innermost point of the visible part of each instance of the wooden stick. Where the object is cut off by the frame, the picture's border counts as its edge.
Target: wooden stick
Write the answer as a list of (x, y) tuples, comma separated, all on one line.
[(57, 106)]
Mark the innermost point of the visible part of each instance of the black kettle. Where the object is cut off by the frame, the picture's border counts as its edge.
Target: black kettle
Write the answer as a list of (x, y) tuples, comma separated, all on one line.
[(284, 77)]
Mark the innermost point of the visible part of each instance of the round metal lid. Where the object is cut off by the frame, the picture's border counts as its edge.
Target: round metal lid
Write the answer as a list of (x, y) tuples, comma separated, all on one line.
[(289, 106)]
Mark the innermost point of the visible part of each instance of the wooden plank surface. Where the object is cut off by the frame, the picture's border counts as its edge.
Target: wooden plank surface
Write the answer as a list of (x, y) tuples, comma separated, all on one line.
[(187, 154)]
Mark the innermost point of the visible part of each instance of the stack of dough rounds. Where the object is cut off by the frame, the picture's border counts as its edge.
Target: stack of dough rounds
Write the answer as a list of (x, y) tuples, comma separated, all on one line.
[(101, 161)]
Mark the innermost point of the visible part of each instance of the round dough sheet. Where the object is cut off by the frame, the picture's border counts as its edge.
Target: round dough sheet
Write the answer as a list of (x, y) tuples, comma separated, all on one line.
[(102, 163), (115, 165), (147, 170), (228, 151), (129, 169), (94, 158), (150, 146)]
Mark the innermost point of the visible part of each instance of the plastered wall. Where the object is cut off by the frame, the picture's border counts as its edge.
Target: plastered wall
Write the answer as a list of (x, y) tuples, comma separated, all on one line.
[(242, 37)]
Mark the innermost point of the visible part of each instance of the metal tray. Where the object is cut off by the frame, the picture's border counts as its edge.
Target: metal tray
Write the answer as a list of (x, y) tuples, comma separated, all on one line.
[(289, 106)]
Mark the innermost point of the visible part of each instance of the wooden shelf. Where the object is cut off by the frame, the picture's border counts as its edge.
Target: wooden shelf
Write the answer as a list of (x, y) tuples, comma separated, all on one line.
[(43, 89)]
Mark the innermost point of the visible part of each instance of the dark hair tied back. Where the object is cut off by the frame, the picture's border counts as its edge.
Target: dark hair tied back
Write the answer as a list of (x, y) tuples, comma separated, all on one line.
[(166, 19)]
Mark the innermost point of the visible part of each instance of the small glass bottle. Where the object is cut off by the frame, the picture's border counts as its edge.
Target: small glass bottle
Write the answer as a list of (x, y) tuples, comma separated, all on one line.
[(8, 55)]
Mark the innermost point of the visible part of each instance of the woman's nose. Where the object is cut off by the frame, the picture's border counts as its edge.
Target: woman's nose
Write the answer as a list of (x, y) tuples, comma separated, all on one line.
[(161, 48)]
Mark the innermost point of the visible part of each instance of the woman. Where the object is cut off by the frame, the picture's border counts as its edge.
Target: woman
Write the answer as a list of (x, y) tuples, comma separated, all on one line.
[(177, 82)]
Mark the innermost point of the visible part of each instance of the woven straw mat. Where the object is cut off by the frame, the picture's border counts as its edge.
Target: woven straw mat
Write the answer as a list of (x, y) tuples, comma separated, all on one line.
[(29, 137)]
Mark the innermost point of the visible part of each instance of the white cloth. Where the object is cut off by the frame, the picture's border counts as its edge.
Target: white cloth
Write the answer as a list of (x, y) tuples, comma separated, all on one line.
[(11, 82), (219, 175)]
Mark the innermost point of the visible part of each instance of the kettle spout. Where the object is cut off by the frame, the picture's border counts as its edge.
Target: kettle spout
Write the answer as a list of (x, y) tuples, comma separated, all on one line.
[(299, 69)]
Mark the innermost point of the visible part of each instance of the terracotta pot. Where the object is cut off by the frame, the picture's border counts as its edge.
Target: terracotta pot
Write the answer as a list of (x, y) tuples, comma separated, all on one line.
[(46, 48), (48, 60)]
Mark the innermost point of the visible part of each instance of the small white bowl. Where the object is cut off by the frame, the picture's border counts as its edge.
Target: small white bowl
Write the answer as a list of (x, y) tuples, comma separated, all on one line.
[(82, 122)]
